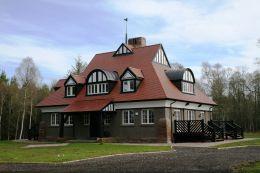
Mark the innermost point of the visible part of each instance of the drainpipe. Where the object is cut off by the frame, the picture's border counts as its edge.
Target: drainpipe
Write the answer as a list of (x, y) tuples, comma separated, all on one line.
[(171, 118)]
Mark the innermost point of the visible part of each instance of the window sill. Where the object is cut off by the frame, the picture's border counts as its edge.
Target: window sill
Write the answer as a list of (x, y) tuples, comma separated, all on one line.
[(147, 124), (128, 125)]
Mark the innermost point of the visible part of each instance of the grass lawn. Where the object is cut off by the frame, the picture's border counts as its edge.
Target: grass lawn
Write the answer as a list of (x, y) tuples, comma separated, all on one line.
[(252, 135), (254, 142), (14, 153), (251, 168)]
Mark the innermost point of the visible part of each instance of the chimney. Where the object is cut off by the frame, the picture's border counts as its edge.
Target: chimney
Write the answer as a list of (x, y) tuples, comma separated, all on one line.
[(137, 42)]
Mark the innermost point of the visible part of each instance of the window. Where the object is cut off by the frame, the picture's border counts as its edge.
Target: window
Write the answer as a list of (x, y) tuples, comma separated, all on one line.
[(70, 90), (128, 85), (55, 120), (177, 114), (128, 117), (147, 116), (187, 87), (190, 115), (107, 119), (98, 82), (86, 119), (69, 121), (100, 88)]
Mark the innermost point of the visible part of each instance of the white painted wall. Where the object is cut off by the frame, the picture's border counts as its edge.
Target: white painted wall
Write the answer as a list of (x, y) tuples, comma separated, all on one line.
[(162, 103)]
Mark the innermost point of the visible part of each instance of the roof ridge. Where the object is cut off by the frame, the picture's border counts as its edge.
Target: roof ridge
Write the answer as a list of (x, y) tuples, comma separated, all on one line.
[(132, 48)]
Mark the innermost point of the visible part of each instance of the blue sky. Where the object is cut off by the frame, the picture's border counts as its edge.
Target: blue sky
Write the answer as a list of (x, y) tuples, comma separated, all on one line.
[(54, 32)]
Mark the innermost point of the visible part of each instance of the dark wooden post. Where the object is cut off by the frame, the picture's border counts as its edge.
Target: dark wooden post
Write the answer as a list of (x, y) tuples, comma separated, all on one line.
[(73, 125), (61, 134), (189, 126), (202, 126), (175, 126), (101, 125)]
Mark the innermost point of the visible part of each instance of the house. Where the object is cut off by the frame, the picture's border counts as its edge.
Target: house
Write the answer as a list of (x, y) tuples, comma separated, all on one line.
[(131, 94)]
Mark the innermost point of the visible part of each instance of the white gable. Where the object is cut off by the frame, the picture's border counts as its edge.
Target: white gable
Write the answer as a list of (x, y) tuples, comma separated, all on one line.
[(122, 50), (70, 82), (109, 107), (128, 75), (161, 58)]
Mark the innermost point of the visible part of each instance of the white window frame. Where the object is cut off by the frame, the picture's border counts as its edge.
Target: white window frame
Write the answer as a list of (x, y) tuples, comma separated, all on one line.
[(145, 116), (86, 119), (128, 112), (70, 90), (69, 121), (55, 117), (191, 115), (126, 86), (187, 87), (100, 88)]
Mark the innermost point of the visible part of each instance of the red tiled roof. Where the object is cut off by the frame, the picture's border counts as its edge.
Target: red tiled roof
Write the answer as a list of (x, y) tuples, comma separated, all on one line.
[(138, 72), (59, 84), (79, 79), (87, 105), (155, 85)]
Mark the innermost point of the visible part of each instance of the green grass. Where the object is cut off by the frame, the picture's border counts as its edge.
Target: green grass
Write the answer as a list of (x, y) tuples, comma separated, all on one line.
[(252, 135), (250, 168), (254, 142), (12, 152)]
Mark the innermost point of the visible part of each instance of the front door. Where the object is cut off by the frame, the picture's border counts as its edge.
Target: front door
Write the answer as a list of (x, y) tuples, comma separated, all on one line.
[(95, 124)]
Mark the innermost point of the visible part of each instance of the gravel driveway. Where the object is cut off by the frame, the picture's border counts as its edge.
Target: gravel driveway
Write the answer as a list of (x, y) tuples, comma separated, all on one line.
[(184, 159)]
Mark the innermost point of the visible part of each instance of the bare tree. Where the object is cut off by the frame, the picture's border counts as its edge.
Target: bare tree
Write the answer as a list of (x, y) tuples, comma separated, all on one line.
[(28, 75), (177, 66)]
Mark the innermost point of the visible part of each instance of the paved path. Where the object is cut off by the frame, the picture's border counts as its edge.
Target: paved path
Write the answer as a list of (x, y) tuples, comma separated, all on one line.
[(45, 145), (183, 159)]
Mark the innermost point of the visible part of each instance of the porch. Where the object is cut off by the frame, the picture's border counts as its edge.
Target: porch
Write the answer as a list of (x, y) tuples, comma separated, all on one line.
[(198, 130), (94, 115)]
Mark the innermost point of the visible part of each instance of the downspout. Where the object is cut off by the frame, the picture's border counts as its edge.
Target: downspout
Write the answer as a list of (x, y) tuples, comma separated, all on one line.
[(171, 119)]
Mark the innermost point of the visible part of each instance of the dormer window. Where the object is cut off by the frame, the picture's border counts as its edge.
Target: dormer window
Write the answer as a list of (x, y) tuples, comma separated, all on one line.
[(130, 80), (182, 79), (100, 82), (70, 87), (73, 85), (188, 82)]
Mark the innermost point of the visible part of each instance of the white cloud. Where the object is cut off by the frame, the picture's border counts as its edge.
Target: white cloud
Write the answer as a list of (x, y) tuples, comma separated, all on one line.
[(233, 24), (48, 58)]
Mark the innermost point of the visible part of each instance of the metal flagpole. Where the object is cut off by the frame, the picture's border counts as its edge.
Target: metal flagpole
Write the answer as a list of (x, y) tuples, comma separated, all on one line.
[(126, 19)]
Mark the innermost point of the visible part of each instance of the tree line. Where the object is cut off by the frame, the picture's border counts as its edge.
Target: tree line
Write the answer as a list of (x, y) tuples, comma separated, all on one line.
[(237, 93), (19, 95)]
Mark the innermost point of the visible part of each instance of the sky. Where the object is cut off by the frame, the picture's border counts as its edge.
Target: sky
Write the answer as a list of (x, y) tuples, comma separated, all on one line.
[(55, 32)]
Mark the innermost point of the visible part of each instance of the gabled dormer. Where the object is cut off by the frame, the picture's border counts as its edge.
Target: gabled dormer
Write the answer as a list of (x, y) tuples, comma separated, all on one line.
[(131, 79), (161, 57), (73, 85), (123, 50)]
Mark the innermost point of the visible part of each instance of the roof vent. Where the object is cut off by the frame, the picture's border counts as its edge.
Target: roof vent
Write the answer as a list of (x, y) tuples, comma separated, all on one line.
[(137, 42)]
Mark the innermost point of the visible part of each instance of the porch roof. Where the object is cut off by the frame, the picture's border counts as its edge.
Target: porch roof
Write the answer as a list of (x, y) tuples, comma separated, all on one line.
[(87, 105)]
